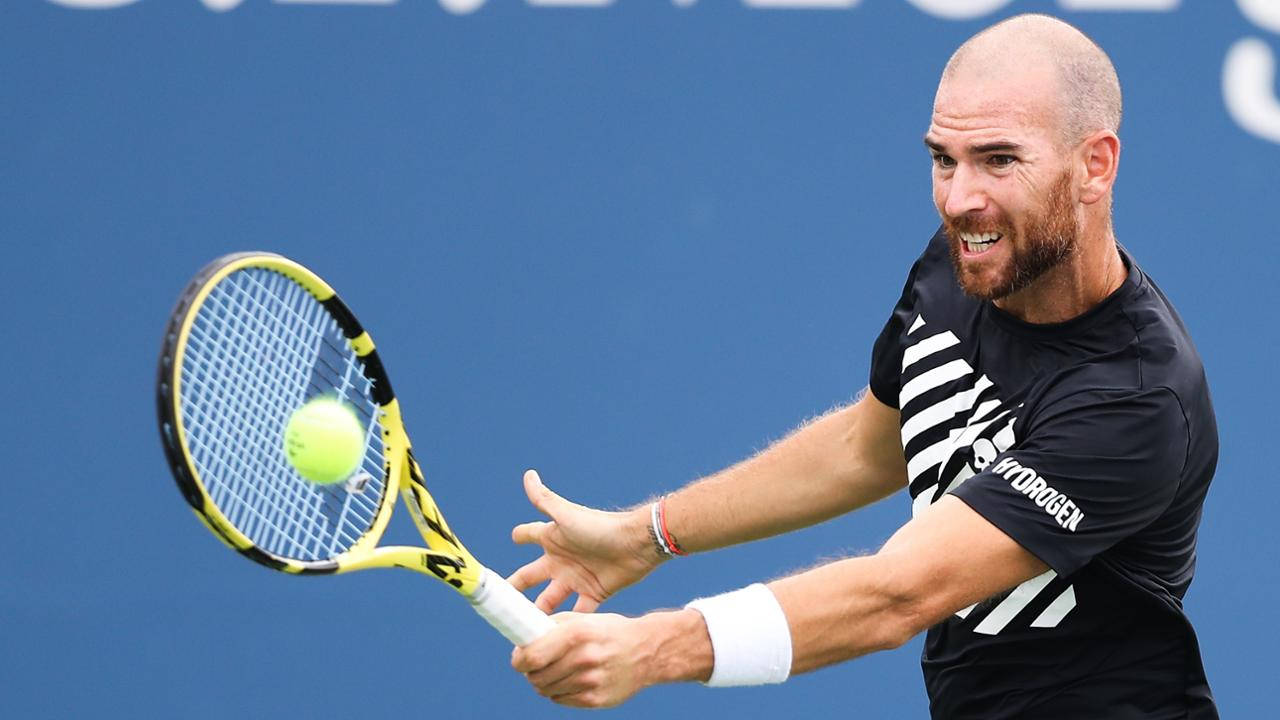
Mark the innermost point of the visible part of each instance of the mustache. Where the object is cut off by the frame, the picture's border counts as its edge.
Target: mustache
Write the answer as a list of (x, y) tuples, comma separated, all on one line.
[(967, 224)]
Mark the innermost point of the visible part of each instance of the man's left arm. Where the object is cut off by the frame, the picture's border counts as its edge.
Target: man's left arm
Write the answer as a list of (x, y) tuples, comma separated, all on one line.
[(945, 559)]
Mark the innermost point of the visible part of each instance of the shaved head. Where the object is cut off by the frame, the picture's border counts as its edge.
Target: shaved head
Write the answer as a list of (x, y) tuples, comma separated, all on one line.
[(1087, 93)]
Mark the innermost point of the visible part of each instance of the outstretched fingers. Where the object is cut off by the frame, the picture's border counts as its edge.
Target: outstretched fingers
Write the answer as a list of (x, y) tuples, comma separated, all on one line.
[(529, 533), (534, 573), (552, 596), (542, 497)]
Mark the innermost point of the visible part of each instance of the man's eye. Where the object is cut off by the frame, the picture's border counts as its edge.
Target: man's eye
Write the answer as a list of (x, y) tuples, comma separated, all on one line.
[(1002, 160), (943, 161)]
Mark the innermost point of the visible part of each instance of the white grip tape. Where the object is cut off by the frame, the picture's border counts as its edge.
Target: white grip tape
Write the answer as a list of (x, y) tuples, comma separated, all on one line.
[(750, 637), (508, 610)]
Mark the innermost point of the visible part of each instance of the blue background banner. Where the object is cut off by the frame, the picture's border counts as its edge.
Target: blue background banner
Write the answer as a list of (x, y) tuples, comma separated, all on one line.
[(625, 244)]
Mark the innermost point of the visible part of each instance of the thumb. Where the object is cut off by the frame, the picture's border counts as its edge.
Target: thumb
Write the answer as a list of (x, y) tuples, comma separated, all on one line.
[(541, 496)]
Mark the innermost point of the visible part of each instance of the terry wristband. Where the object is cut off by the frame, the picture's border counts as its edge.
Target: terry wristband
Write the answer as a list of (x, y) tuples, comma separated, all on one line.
[(750, 638)]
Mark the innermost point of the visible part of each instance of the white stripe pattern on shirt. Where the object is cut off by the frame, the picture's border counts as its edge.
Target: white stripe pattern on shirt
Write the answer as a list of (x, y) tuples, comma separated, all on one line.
[(1001, 614), (930, 379), (1057, 609), (944, 410), (927, 347)]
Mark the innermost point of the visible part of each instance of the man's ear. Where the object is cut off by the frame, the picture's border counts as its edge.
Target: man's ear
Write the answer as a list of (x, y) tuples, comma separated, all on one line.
[(1100, 158)]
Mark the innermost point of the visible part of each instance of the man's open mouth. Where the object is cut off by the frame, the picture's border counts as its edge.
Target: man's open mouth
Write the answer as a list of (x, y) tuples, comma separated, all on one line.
[(978, 243)]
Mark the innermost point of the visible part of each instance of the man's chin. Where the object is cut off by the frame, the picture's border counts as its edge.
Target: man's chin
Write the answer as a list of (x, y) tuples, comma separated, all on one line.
[(981, 285)]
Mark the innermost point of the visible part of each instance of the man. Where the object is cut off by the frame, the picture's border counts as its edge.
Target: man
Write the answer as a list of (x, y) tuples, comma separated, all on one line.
[(1036, 394)]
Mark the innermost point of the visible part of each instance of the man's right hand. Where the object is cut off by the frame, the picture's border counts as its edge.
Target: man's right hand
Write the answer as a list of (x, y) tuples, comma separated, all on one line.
[(586, 551)]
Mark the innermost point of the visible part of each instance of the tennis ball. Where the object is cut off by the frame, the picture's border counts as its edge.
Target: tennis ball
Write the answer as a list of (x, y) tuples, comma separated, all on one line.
[(324, 441)]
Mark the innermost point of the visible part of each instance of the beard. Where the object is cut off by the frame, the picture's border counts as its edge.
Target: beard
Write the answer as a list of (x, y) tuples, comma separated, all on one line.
[(1050, 238)]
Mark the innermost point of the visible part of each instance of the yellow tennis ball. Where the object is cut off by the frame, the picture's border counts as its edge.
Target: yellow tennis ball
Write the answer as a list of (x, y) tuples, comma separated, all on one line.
[(324, 441)]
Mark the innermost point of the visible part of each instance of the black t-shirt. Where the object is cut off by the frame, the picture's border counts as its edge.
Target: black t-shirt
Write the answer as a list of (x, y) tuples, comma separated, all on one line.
[(1091, 443)]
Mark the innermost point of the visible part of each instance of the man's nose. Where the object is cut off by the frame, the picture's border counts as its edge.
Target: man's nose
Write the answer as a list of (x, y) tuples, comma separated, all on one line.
[(964, 192)]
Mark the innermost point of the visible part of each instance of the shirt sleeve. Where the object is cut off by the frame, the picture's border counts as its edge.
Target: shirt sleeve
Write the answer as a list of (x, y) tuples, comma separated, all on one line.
[(1094, 469), (886, 354)]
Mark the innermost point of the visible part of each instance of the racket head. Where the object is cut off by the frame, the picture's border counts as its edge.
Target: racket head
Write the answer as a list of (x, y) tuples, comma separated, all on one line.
[(253, 337)]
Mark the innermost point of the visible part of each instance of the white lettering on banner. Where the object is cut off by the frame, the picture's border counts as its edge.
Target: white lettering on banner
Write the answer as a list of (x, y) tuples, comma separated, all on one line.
[(802, 4), (1248, 77), (959, 9), (1263, 13), (461, 7), (1139, 5), (93, 4), (309, 2), (1248, 72)]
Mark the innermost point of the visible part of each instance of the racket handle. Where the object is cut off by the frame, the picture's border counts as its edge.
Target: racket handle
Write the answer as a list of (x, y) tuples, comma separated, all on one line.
[(508, 610)]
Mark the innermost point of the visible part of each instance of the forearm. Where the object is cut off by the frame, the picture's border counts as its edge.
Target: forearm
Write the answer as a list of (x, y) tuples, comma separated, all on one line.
[(679, 649), (947, 558), (850, 608), (842, 461), (833, 613)]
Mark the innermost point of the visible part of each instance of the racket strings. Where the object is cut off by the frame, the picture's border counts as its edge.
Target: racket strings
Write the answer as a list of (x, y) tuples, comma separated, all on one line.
[(372, 454), (285, 505), (259, 347), (243, 508), (298, 294), (251, 513), (274, 510)]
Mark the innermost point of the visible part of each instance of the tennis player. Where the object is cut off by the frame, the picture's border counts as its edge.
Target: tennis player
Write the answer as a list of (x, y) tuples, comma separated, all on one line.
[(1035, 393)]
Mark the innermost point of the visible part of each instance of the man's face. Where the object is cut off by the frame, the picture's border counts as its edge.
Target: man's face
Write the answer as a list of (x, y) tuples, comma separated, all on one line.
[(1001, 181)]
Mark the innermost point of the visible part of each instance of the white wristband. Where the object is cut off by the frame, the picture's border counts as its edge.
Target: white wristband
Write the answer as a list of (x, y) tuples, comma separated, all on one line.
[(750, 638)]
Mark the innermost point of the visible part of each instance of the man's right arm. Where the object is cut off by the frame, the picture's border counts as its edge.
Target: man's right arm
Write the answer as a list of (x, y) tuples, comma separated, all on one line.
[(842, 461)]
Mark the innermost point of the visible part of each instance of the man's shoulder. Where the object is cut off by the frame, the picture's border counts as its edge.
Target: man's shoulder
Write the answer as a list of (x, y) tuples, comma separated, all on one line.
[(1166, 354), (1141, 357)]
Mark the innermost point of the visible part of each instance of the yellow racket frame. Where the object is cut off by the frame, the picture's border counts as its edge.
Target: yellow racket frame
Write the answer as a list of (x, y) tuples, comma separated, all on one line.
[(444, 557)]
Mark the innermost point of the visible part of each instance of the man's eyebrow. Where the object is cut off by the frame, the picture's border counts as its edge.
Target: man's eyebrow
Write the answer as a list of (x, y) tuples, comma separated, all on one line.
[(1000, 146), (982, 149)]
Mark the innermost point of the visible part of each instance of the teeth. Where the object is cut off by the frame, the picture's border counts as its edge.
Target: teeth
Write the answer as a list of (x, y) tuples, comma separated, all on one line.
[(979, 242)]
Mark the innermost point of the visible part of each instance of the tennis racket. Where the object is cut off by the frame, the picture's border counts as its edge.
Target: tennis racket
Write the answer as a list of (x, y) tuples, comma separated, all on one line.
[(253, 337)]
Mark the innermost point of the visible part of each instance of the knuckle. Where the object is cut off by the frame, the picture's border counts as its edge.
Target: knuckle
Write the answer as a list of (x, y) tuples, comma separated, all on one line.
[(589, 657)]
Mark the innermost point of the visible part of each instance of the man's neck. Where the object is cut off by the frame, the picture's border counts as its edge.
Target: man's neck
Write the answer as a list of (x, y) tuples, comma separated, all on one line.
[(1072, 288)]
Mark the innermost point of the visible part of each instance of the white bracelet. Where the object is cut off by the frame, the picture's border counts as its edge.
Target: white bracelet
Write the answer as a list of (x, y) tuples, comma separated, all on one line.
[(657, 530), (750, 638)]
